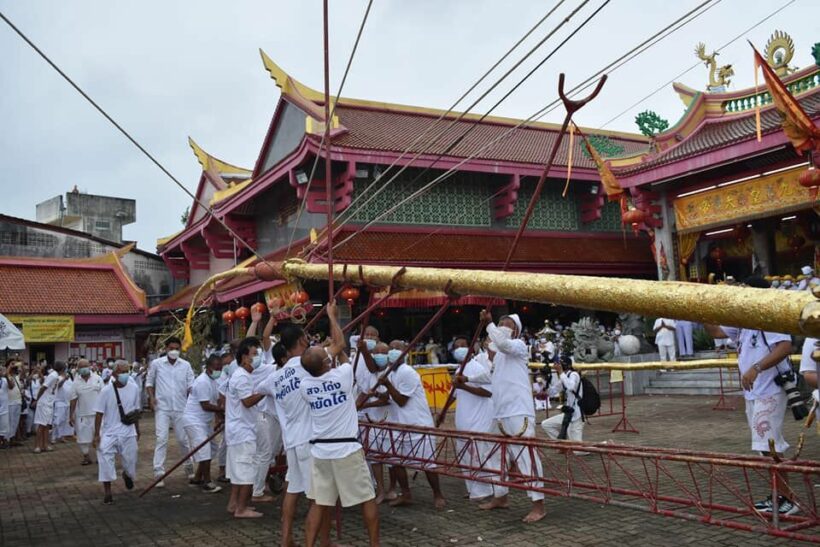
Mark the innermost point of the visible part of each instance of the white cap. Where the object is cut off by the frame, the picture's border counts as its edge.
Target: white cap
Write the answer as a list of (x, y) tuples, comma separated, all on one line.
[(516, 320), (807, 270)]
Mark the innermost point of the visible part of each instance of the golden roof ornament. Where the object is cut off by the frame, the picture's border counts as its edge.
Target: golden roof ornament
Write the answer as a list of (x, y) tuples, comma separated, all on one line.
[(779, 52), (718, 76)]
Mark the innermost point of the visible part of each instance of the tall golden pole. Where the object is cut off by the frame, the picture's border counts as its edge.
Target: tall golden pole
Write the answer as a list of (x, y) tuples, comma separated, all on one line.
[(796, 312)]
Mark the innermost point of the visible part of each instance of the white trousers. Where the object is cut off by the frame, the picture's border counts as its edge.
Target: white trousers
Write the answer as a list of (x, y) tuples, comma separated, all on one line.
[(667, 353), (476, 456), (683, 332), (85, 432), (163, 421), (14, 418), (110, 447), (527, 464), (222, 451), (196, 435), (552, 427), (60, 422), (268, 446)]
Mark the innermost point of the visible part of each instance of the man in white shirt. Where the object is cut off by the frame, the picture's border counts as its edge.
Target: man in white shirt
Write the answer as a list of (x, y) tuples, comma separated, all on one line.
[(240, 428), (168, 383), (113, 437), (569, 382), (198, 417), (683, 332), (761, 356), (84, 393), (513, 404), (32, 388), (474, 411), (339, 468), (665, 338), (228, 366), (808, 366), (61, 427), (5, 388), (408, 406), (15, 402), (294, 417), (44, 406)]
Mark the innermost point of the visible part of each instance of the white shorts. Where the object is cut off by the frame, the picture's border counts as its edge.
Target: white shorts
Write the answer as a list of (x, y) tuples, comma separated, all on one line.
[(345, 478), (765, 417), (109, 448), (196, 436), (43, 413), (240, 466), (85, 429), (300, 469)]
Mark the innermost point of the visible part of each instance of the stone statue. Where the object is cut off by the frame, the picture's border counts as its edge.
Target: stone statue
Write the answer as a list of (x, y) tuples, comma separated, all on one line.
[(718, 77), (590, 345), (633, 324)]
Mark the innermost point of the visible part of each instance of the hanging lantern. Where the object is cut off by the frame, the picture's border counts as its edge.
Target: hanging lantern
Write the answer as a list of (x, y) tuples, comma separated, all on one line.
[(301, 297), (243, 313), (259, 307), (350, 294), (265, 271), (810, 178), (634, 217), (228, 317)]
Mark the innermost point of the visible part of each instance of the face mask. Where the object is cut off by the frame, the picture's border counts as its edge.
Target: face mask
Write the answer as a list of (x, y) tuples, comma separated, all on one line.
[(460, 354), (123, 378), (506, 331), (85, 372), (215, 374), (393, 355), (231, 368), (370, 343), (380, 359), (173, 354), (257, 361)]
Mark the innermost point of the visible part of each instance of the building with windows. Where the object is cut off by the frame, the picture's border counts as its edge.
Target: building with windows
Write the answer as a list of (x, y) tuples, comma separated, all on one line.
[(100, 216)]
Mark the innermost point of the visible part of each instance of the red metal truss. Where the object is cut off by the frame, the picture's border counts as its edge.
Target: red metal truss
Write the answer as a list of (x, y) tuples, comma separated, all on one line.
[(707, 487)]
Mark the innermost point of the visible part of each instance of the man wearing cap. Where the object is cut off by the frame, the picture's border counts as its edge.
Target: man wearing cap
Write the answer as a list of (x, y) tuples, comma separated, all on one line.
[(513, 404), (808, 279)]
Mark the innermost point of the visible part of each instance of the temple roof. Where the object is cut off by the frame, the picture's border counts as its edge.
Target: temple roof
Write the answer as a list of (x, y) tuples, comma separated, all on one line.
[(64, 286), (380, 126), (714, 121)]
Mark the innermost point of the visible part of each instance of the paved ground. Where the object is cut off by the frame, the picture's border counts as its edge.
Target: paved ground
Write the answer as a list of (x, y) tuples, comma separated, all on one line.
[(49, 499)]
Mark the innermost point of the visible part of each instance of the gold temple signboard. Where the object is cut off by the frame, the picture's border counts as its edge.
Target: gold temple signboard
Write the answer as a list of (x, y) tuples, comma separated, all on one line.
[(758, 198)]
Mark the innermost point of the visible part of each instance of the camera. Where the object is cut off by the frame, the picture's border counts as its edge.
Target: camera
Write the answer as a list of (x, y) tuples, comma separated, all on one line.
[(788, 381), (568, 412)]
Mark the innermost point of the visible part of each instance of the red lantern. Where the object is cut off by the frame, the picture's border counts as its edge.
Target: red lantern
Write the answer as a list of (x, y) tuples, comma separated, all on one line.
[(228, 317), (810, 178), (276, 302), (350, 294), (265, 271), (634, 217), (243, 313), (259, 307), (301, 297)]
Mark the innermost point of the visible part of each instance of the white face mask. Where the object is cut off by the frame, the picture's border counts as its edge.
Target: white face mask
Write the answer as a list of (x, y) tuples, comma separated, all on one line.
[(173, 354), (506, 331)]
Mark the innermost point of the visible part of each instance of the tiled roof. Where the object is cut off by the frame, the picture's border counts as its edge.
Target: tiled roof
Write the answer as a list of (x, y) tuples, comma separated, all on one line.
[(393, 131), (721, 133), (51, 288), (481, 250)]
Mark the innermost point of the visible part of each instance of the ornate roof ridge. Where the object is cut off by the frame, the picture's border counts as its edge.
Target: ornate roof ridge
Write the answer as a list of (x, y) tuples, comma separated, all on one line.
[(208, 161)]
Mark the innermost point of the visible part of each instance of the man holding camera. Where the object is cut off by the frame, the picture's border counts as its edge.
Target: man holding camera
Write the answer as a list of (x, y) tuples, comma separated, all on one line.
[(569, 424), (762, 356)]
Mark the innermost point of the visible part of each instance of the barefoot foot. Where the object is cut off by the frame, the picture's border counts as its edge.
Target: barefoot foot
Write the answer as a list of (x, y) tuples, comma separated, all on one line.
[(440, 503), (495, 503), (400, 501), (535, 515), (247, 514)]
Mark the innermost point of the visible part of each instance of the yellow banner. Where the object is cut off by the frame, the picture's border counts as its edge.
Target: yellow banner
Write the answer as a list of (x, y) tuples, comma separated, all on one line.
[(437, 383), (743, 201), (45, 328)]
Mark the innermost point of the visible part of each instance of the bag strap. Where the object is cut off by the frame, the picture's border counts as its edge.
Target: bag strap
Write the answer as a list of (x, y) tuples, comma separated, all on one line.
[(119, 402), (785, 359)]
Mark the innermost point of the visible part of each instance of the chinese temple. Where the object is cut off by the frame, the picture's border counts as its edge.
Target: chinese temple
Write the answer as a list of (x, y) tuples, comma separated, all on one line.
[(730, 200)]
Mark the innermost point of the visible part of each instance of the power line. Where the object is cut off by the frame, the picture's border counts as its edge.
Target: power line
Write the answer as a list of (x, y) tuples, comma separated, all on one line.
[(721, 48), (328, 121), (634, 52), (126, 134)]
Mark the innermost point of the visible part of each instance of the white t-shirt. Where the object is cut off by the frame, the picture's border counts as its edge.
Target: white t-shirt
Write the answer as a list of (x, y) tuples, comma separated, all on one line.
[(240, 421), (332, 411), (512, 391), (569, 383), (51, 381), (474, 413), (171, 383), (416, 411), (751, 348), (86, 393), (365, 381), (30, 393), (267, 404), (222, 383), (807, 364), (203, 390), (4, 395), (107, 404), (292, 409), (64, 392), (15, 396), (664, 337)]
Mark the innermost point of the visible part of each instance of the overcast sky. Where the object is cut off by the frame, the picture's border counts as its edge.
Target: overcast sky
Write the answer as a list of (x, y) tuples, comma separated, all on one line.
[(167, 70)]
